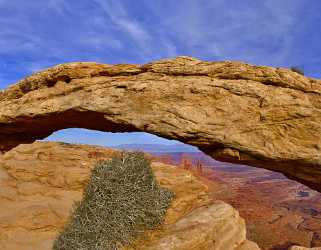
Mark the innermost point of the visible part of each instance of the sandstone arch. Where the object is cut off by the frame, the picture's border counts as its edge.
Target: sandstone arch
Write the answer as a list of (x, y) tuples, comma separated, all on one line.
[(235, 112)]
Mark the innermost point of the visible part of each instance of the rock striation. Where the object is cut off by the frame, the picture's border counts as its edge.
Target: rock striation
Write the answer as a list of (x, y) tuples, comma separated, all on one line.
[(235, 112), (39, 183)]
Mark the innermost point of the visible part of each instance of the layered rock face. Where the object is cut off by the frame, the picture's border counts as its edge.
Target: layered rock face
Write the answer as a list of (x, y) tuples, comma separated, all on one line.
[(235, 112), (40, 181)]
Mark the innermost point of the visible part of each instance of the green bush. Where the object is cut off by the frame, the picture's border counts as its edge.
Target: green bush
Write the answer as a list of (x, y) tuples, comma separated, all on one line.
[(297, 70), (66, 144), (121, 201)]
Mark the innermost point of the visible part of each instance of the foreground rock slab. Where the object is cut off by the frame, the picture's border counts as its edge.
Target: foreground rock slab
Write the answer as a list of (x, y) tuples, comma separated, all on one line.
[(39, 183), (215, 226), (235, 112)]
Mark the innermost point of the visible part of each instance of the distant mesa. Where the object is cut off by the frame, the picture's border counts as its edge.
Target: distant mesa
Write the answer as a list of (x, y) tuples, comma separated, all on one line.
[(158, 148), (234, 112)]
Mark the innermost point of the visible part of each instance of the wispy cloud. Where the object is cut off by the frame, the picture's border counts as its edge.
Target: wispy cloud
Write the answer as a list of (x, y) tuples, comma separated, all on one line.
[(258, 32), (46, 33), (38, 34), (60, 6), (120, 18)]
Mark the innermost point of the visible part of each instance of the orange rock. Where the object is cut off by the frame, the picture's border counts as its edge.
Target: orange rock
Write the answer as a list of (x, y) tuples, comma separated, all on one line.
[(39, 183), (235, 112)]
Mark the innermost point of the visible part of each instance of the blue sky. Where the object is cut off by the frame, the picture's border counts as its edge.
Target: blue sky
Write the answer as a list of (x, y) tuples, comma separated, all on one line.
[(38, 34)]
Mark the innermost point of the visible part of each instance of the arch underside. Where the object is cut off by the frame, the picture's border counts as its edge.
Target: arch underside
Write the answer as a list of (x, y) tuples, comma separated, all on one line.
[(234, 112)]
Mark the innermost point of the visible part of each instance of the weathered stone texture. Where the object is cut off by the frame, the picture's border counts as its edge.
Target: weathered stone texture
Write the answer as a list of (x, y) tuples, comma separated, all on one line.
[(39, 183), (235, 112)]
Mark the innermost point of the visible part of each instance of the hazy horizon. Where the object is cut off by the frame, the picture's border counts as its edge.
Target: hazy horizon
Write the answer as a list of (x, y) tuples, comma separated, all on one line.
[(86, 136)]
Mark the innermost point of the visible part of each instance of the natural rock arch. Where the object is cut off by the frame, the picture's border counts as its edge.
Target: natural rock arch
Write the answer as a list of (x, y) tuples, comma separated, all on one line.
[(235, 112)]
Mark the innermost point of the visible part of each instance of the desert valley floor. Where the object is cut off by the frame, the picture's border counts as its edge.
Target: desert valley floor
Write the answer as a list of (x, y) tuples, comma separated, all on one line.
[(279, 212)]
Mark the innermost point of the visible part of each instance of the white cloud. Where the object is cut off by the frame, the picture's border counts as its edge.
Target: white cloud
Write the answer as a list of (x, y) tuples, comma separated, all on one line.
[(128, 24), (170, 49), (60, 6), (259, 33), (41, 33)]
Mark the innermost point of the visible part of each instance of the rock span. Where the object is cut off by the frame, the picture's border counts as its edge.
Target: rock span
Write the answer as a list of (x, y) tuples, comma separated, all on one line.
[(235, 112)]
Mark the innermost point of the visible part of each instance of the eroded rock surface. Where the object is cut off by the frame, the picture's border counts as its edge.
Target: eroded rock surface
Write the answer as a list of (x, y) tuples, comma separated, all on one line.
[(40, 181), (235, 112), (219, 221)]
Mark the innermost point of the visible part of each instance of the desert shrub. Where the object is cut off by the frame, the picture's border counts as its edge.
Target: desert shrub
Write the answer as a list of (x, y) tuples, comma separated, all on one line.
[(25, 87), (66, 144), (120, 202), (297, 70)]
